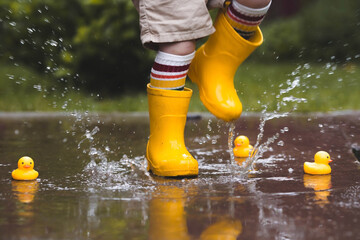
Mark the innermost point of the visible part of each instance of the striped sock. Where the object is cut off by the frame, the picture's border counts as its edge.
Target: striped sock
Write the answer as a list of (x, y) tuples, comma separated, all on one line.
[(244, 19), (169, 71)]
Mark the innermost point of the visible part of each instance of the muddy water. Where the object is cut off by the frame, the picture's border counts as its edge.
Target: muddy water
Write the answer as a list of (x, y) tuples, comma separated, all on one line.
[(93, 182)]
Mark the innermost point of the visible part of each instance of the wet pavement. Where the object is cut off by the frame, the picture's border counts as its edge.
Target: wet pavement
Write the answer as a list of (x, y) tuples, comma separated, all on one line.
[(93, 183)]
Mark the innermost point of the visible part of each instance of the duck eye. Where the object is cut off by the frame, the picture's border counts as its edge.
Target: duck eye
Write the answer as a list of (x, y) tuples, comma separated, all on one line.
[(30, 162), (22, 163)]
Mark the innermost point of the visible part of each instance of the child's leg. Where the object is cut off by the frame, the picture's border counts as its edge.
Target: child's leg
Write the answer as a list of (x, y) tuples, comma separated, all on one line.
[(166, 152), (246, 15), (171, 65), (171, 27), (216, 62), (178, 48)]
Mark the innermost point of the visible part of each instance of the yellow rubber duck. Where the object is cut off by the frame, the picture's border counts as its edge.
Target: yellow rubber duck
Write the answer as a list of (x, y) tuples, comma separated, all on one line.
[(242, 147), (321, 164), (25, 170)]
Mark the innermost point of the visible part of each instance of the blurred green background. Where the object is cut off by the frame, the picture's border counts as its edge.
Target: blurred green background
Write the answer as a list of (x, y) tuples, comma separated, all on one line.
[(86, 55)]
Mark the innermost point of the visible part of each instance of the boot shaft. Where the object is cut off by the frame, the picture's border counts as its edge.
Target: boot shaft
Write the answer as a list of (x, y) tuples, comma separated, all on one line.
[(227, 41), (168, 108)]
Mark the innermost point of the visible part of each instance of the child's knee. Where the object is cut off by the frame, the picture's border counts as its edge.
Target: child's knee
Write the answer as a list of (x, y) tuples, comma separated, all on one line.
[(178, 48), (254, 3)]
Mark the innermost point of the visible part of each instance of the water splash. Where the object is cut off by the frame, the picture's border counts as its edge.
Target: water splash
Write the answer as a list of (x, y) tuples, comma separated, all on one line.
[(101, 170), (209, 137), (120, 175), (230, 142), (89, 135), (262, 146)]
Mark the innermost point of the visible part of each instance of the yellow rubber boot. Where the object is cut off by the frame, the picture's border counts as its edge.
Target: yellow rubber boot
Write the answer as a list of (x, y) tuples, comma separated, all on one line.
[(166, 152), (214, 67), (167, 214)]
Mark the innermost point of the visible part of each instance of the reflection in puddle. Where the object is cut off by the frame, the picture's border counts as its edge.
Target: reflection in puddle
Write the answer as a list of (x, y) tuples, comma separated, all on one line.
[(223, 229), (168, 217), (25, 191), (321, 185), (95, 185), (167, 214)]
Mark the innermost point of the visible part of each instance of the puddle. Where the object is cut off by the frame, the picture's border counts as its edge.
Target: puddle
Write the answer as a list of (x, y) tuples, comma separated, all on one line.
[(93, 182)]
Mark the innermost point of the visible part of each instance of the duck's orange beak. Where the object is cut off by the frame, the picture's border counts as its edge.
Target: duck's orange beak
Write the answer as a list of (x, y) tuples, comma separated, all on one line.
[(27, 166), (330, 161)]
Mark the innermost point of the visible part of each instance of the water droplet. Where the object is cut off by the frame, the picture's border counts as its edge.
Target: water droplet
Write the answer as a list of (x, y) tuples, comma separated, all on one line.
[(52, 43), (306, 66), (285, 129), (209, 125), (38, 87), (64, 105)]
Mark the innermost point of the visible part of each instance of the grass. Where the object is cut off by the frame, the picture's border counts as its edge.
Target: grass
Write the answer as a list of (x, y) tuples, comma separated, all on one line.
[(22, 89), (276, 87)]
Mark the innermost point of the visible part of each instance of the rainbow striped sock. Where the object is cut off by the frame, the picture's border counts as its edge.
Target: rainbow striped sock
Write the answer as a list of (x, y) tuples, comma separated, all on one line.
[(169, 71), (244, 19)]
